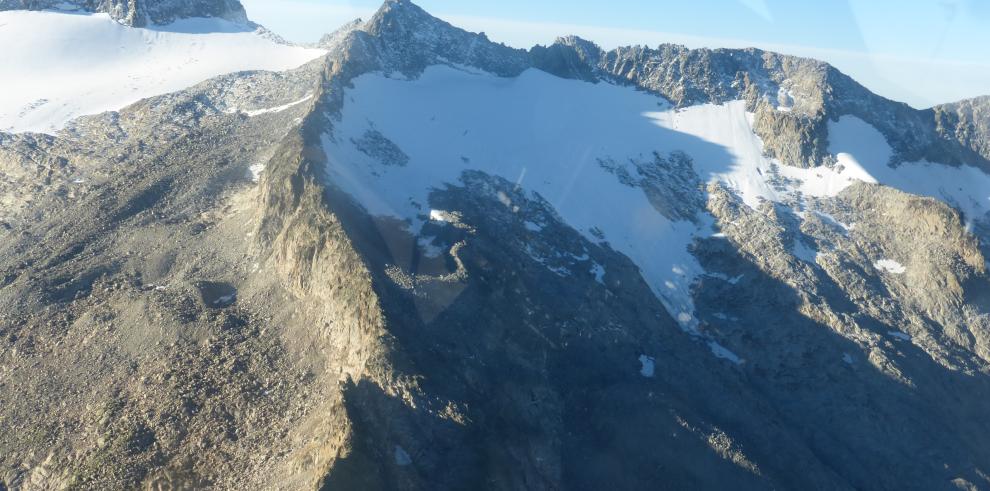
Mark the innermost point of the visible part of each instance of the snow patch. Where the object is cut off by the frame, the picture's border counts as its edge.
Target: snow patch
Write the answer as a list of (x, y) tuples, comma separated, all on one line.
[(599, 271), (890, 266), (899, 335), (274, 110), (254, 172), (225, 300), (647, 366), (533, 227), (722, 352), (805, 252), (402, 457), (831, 220), (442, 216)]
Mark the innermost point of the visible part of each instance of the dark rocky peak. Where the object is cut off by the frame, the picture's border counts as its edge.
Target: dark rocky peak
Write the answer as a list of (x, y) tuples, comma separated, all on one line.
[(140, 13), (410, 39), (967, 121), (587, 48), (164, 11), (569, 57), (405, 16)]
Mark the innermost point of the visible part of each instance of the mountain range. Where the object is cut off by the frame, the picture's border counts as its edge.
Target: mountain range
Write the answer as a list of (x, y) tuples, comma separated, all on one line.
[(409, 257)]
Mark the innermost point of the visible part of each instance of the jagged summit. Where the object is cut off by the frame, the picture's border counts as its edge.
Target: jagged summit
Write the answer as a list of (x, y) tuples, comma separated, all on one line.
[(402, 18), (407, 39), (402, 10), (140, 13)]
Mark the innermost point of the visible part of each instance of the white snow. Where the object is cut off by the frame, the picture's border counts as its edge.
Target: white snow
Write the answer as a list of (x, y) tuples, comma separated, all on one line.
[(890, 266), (846, 227), (722, 352), (274, 110), (225, 299), (532, 226), (402, 457), (57, 66), (805, 252), (647, 366), (599, 271), (899, 335), (255, 171), (441, 216)]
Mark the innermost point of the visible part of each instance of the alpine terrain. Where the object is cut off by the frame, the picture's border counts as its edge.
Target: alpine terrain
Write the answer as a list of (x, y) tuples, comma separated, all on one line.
[(410, 257)]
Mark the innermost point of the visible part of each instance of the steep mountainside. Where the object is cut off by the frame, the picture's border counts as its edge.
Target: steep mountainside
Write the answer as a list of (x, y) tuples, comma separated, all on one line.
[(429, 261)]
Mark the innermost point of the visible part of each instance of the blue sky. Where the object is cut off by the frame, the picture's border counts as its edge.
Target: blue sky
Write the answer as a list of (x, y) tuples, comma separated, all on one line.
[(918, 51)]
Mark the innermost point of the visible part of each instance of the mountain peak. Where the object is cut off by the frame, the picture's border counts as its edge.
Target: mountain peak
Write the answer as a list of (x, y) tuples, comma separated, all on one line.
[(402, 15), (410, 39)]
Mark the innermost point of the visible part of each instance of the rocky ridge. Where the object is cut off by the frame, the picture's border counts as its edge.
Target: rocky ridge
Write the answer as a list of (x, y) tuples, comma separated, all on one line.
[(792, 97)]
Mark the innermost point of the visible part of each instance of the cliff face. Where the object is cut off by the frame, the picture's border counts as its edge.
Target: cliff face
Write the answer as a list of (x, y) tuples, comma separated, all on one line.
[(140, 13), (197, 294), (967, 121)]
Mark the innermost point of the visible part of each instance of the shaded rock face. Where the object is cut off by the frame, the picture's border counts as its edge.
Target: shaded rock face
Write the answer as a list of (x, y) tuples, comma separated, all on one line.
[(966, 121), (140, 13), (201, 330)]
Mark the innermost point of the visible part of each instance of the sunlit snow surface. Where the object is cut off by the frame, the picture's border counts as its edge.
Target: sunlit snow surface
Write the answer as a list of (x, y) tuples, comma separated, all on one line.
[(546, 134), (57, 66), (542, 132)]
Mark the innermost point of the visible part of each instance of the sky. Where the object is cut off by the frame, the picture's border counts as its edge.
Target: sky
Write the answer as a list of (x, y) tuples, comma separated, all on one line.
[(922, 52)]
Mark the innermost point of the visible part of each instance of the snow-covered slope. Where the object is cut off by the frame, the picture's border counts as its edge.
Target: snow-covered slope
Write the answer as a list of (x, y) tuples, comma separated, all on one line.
[(571, 141), (57, 66), (528, 130)]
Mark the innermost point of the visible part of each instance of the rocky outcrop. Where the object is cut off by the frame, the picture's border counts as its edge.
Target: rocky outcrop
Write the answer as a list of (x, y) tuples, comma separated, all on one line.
[(140, 13), (966, 121)]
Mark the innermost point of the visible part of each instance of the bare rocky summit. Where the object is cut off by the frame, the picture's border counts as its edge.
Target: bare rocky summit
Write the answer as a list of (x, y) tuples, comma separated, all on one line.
[(191, 301)]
